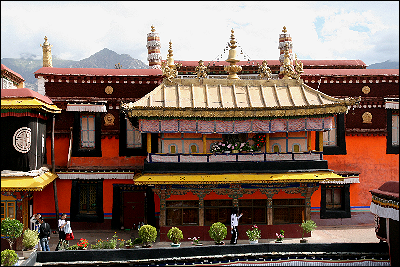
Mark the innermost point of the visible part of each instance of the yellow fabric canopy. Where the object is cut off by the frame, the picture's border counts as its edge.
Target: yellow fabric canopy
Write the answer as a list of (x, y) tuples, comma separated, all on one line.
[(28, 103), (181, 178), (27, 183)]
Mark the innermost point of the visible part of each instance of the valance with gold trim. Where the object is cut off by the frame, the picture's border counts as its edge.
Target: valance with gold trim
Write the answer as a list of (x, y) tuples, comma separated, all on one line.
[(25, 103), (27, 183)]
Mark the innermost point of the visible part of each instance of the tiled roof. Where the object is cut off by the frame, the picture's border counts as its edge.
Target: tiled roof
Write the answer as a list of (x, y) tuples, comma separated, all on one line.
[(389, 189), (98, 72), (24, 93), (4, 68)]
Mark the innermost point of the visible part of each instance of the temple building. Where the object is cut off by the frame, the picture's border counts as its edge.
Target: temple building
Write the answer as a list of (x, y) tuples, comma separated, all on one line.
[(226, 143), (25, 169), (183, 142)]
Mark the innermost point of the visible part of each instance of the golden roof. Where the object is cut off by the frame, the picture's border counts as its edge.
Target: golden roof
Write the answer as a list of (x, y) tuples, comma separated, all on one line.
[(213, 98)]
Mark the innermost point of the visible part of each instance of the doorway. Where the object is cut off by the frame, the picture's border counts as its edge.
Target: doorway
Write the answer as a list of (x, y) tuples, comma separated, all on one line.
[(133, 208)]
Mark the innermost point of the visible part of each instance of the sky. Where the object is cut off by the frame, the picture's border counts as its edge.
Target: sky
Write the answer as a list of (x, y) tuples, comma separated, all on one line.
[(200, 30)]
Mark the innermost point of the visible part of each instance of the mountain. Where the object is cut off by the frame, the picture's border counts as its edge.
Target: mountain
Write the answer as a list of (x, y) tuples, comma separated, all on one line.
[(106, 59), (385, 65)]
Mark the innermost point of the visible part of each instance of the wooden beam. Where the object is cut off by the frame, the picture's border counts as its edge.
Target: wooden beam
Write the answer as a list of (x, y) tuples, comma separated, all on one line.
[(204, 144), (148, 142)]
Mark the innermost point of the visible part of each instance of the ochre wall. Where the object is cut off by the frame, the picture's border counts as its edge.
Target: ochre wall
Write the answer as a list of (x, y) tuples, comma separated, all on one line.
[(366, 155)]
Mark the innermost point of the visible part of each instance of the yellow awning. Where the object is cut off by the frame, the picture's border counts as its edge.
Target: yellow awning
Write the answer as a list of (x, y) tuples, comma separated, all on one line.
[(27, 183), (180, 178), (31, 103)]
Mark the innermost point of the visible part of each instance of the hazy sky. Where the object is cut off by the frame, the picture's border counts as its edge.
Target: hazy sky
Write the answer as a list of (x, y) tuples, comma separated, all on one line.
[(368, 30)]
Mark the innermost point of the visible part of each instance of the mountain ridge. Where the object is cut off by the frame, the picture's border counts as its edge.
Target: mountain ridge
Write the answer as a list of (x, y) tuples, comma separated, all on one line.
[(105, 58)]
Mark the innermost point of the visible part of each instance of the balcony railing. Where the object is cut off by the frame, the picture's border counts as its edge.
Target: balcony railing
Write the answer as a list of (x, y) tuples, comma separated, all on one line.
[(234, 157)]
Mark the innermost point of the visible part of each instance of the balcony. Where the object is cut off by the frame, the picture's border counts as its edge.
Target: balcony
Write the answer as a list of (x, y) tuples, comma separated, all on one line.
[(235, 162)]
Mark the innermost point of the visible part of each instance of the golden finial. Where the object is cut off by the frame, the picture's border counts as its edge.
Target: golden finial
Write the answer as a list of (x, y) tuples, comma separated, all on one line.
[(232, 41), (47, 58), (284, 29), (232, 69), (152, 28)]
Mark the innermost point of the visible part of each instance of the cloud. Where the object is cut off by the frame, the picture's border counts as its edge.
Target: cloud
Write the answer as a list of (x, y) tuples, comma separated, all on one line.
[(200, 30)]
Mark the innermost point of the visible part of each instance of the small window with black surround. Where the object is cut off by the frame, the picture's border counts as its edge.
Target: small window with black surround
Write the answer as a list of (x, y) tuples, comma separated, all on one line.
[(334, 140), (392, 146), (86, 135), (131, 141), (335, 201)]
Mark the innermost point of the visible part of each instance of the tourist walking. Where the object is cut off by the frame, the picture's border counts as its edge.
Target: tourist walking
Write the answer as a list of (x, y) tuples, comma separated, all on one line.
[(44, 234), (234, 224)]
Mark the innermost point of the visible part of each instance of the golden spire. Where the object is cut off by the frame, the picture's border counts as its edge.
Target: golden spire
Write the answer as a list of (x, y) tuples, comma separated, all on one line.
[(153, 29), (170, 59), (232, 69), (284, 29), (47, 58)]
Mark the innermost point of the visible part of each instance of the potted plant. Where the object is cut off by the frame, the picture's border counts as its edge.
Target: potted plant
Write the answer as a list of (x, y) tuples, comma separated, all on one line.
[(8, 257), (218, 232), (280, 236), (175, 235), (11, 229), (253, 234), (307, 226), (148, 234), (128, 243), (195, 241), (29, 241)]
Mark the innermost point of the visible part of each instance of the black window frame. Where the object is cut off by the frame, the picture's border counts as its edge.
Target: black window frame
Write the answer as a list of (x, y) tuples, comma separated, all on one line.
[(75, 214), (182, 208), (253, 206), (340, 148), (123, 149), (218, 207), (345, 212), (390, 149), (77, 151)]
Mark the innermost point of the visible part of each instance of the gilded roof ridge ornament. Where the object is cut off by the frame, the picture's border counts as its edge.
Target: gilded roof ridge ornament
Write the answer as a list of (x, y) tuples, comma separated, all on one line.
[(169, 68), (264, 71), (288, 70), (201, 70), (232, 69), (153, 29)]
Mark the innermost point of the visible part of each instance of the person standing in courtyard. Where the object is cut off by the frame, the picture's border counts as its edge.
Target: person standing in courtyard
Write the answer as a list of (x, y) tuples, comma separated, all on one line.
[(62, 222), (44, 234), (234, 224)]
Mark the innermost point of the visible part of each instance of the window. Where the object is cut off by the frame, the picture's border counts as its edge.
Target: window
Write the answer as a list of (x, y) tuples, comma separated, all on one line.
[(392, 146), (182, 212), (86, 135), (131, 141), (87, 131), (193, 148), (330, 137), (334, 142), (296, 148), (8, 209), (276, 148), (217, 211), (395, 129), (287, 211), (133, 136), (254, 211), (172, 149), (87, 200), (335, 201)]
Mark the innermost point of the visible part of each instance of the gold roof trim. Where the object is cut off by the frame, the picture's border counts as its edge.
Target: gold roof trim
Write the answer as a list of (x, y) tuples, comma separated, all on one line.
[(23, 103), (26, 183), (181, 178)]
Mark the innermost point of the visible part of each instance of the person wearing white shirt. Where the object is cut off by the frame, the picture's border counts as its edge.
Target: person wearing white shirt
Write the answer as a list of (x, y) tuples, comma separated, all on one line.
[(234, 224)]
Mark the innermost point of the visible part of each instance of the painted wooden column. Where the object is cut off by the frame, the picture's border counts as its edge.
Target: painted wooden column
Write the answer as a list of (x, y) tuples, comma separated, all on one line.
[(308, 141), (270, 216), (163, 206), (148, 142), (267, 149), (204, 144), (201, 211), (321, 141)]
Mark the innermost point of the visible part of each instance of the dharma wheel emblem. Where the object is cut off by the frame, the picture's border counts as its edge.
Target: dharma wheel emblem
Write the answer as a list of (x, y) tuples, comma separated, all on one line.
[(109, 90), (109, 119), (22, 139)]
